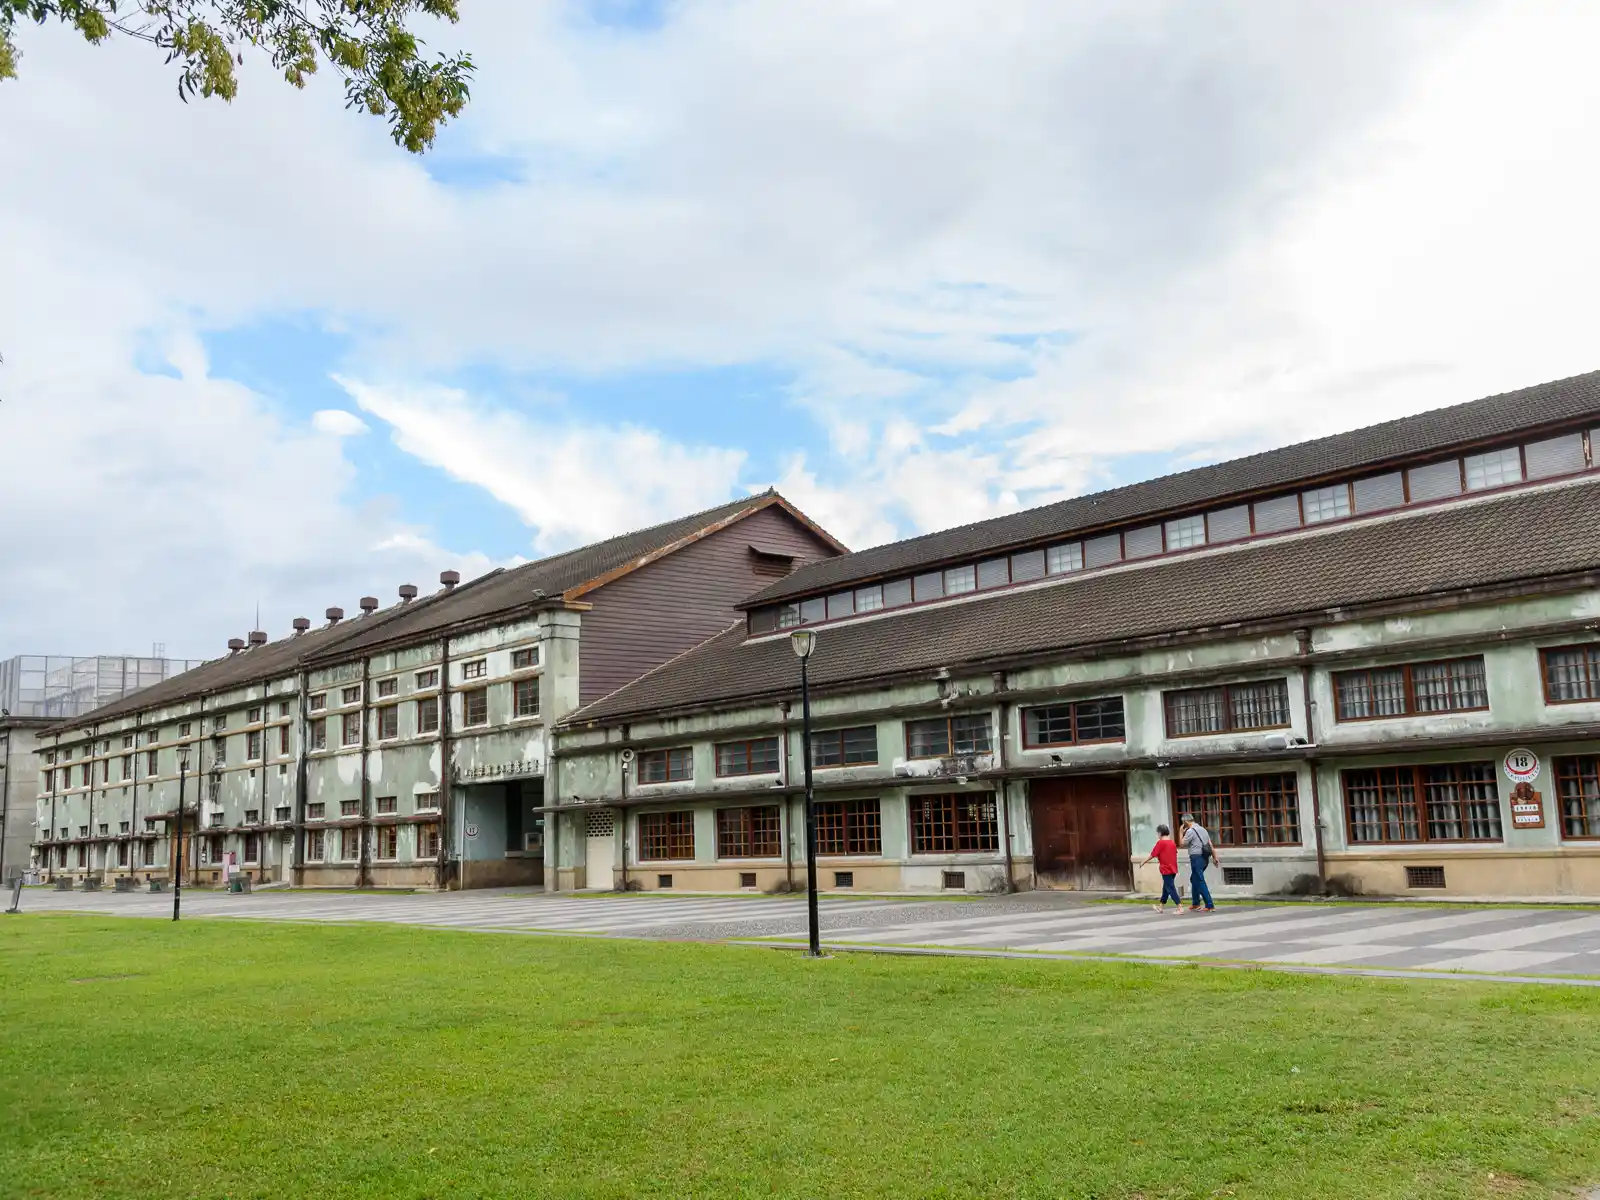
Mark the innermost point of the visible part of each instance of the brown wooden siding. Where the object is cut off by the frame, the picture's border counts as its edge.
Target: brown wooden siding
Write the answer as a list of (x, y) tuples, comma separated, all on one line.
[(661, 610)]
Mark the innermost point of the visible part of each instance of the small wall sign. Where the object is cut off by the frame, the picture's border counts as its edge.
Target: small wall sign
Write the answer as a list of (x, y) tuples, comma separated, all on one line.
[(1527, 807), (1522, 766), (472, 831)]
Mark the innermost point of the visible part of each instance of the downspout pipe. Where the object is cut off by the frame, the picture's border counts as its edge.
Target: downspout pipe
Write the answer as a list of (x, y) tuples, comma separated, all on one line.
[(788, 839), (301, 770), (364, 867), (447, 779), (1303, 641), (1003, 798), (622, 816)]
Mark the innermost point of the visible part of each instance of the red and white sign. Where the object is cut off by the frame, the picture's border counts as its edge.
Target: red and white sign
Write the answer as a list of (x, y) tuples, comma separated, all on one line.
[(1522, 766)]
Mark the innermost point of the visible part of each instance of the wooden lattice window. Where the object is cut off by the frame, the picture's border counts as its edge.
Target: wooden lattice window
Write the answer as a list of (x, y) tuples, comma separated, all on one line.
[(1233, 708), (749, 832), (1074, 723), (1455, 685), (1242, 810), (1578, 788), (966, 733), (845, 747), (1571, 673), (954, 824), (666, 836), (849, 827), (1444, 802), (758, 757), (666, 766)]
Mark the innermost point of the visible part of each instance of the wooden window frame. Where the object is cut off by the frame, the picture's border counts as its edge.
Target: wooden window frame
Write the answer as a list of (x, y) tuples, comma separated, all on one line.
[(347, 722), (350, 695), (519, 689), (1194, 796), (748, 746), (525, 659), (468, 698), (1077, 740), (1408, 689), (860, 828), (427, 832), (316, 702), (426, 680), (255, 746), (753, 831), (1419, 802), (949, 721), (385, 688), (1582, 770), (283, 739), (829, 736), (386, 837), (427, 704), (666, 836), (944, 823), (477, 668), (1591, 653), (1227, 690), (319, 734), (666, 758)]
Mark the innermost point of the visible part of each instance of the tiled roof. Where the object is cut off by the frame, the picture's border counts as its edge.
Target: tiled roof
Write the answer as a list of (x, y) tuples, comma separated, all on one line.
[(502, 591), (1476, 421), (498, 591), (1518, 536)]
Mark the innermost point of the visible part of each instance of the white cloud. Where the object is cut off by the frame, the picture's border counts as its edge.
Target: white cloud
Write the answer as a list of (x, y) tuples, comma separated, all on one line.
[(337, 422), (997, 251), (573, 483)]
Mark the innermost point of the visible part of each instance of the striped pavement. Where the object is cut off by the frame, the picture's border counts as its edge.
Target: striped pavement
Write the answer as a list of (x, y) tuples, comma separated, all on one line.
[(1490, 940)]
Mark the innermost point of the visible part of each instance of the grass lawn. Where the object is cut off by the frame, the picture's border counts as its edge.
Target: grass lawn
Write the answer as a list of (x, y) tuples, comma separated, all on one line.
[(220, 1058)]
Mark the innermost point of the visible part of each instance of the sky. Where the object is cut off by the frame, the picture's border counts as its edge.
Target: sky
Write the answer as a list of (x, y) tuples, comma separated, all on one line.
[(913, 262)]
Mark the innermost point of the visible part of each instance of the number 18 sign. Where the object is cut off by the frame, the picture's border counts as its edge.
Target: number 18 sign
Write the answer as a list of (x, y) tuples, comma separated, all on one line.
[(1522, 766)]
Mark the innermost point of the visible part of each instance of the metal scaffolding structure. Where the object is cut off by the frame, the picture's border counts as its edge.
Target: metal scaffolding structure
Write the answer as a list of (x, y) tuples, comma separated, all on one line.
[(58, 686)]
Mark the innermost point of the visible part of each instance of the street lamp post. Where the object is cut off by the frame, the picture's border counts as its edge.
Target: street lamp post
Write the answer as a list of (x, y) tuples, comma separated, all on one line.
[(177, 843), (804, 642)]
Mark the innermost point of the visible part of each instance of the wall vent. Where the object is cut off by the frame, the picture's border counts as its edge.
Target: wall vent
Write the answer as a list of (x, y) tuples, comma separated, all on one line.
[(844, 879), (600, 824), (955, 881), (747, 879), (1238, 876), (663, 881), (1425, 877)]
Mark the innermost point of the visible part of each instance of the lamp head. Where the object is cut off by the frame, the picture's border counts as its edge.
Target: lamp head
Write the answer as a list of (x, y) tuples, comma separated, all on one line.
[(803, 641)]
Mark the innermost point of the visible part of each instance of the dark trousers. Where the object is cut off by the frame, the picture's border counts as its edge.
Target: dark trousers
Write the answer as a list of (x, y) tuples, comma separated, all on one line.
[(1169, 890), (1198, 891)]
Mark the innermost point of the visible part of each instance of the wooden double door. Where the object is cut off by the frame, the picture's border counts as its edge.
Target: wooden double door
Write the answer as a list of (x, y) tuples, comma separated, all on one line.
[(1080, 833)]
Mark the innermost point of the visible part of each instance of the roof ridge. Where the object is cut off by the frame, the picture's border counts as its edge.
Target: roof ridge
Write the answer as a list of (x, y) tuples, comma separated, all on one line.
[(778, 590), (727, 505)]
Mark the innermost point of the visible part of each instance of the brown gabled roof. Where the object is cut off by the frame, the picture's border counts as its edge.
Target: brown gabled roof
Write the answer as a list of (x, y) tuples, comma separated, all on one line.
[(1476, 422), (561, 577), (1527, 535), (565, 577)]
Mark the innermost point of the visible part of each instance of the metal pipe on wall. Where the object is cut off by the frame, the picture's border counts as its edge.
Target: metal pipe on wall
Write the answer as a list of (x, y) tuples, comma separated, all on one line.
[(364, 862), (1303, 636), (447, 776), (1003, 794)]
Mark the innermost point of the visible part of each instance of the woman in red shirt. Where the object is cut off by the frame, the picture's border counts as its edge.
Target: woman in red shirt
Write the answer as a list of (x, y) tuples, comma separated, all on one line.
[(1165, 852)]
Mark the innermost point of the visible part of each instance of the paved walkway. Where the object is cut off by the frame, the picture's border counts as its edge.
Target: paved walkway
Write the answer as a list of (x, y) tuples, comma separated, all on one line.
[(1520, 941)]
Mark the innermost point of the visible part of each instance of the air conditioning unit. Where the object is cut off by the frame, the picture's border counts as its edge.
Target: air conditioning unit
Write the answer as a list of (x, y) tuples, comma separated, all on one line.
[(1276, 741)]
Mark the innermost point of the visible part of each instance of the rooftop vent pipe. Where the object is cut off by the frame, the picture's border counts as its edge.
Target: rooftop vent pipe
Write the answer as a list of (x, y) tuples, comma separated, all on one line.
[(235, 645), (334, 615), (449, 579), (301, 624), (258, 637), (408, 593), (369, 604)]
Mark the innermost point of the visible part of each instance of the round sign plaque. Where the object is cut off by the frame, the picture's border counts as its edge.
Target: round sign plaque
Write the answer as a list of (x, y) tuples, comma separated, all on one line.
[(472, 831), (1522, 766)]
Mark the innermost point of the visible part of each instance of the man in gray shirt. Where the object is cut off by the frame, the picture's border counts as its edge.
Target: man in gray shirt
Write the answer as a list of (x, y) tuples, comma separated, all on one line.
[(1197, 843)]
